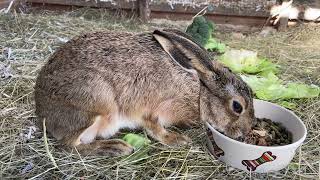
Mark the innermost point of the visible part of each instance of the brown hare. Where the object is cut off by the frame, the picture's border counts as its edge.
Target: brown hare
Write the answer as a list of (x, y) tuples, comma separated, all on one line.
[(98, 83)]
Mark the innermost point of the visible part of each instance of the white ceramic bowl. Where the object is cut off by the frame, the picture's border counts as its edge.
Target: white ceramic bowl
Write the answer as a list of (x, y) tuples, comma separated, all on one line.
[(254, 158)]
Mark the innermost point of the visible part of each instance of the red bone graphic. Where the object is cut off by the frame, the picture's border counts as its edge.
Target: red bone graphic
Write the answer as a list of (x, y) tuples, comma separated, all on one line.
[(253, 164)]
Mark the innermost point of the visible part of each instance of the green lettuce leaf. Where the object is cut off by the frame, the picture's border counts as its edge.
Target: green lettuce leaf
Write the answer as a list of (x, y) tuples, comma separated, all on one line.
[(287, 104), (212, 45), (270, 87), (136, 140), (140, 145), (244, 61)]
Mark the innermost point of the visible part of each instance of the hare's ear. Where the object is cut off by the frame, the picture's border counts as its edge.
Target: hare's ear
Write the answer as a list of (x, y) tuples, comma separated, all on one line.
[(184, 51), (185, 35)]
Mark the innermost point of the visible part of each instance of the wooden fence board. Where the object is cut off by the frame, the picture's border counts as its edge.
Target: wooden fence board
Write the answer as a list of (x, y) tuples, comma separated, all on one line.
[(4, 3), (225, 7)]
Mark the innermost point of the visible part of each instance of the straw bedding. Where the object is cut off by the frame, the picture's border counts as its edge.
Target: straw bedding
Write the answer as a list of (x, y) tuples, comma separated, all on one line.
[(27, 40)]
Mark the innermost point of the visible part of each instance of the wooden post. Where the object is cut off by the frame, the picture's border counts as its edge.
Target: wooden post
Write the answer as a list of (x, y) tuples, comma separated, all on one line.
[(144, 10), (283, 23)]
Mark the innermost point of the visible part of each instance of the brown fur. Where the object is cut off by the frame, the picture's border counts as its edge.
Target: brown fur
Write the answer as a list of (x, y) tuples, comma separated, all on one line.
[(100, 82)]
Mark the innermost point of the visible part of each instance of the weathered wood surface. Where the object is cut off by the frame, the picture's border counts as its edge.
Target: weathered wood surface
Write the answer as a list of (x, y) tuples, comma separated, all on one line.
[(144, 10), (222, 7), (238, 12), (123, 4), (4, 3), (283, 23)]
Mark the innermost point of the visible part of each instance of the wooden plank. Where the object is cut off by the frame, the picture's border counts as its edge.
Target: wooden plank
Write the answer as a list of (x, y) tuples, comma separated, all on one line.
[(226, 11), (144, 10), (180, 12), (16, 4), (4, 4), (218, 19), (227, 7), (123, 4), (65, 2), (217, 10), (283, 23), (52, 7)]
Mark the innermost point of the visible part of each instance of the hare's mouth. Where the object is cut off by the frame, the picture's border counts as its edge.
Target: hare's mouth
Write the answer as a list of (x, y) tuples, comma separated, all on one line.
[(238, 136), (222, 132), (219, 129)]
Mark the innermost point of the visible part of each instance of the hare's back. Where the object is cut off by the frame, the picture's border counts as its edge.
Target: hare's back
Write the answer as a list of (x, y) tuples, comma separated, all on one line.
[(126, 64), (109, 51), (119, 57)]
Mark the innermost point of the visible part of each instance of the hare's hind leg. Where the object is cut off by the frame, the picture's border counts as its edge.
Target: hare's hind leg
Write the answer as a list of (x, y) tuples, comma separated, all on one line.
[(85, 141), (157, 131), (108, 147)]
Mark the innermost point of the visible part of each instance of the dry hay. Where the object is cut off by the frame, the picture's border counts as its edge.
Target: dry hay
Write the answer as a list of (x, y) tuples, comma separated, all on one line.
[(30, 39)]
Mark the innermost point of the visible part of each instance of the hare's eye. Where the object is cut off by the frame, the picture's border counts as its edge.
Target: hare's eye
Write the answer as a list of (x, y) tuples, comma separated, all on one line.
[(236, 106)]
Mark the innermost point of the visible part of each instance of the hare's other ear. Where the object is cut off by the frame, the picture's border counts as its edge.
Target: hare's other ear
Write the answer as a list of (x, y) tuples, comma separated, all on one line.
[(184, 51), (185, 35)]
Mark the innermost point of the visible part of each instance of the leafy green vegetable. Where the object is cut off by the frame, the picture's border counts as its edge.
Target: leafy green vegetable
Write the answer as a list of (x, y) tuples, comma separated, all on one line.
[(299, 90), (271, 87), (140, 145), (287, 104), (212, 45), (201, 30), (261, 73), (294, 166), (136, 140), (244, 61)]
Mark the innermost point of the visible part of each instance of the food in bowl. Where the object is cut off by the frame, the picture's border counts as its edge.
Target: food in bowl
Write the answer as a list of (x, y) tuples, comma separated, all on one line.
[(256, 158), (268, 133)]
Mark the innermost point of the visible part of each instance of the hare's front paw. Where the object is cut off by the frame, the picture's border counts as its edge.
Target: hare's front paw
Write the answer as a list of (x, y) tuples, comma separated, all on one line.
[(173, 139), (158, 132)]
